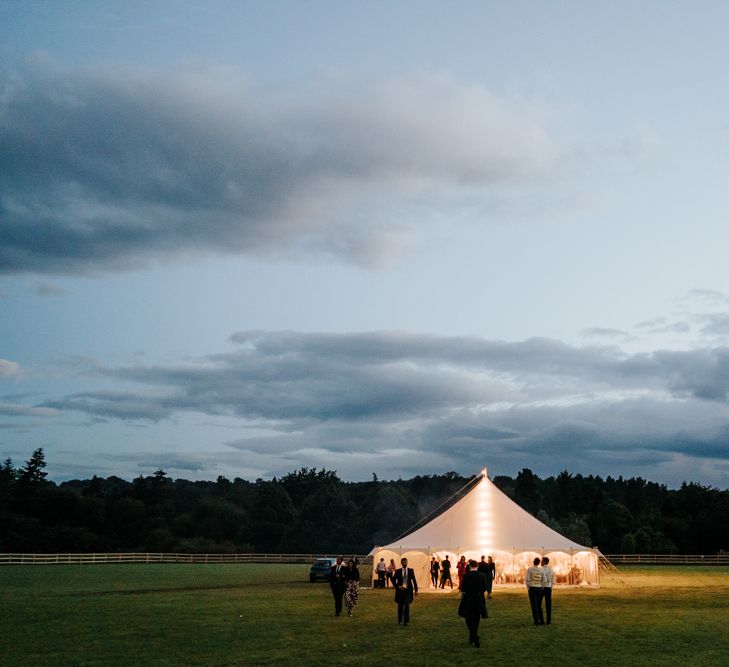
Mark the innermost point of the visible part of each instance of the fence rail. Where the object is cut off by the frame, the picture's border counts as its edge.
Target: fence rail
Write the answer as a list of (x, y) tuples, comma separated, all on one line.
[(668, 559), (93, 558), (135, 557)]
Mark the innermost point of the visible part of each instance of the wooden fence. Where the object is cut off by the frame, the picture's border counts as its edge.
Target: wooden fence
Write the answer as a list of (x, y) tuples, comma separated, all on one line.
[(93, 558), (133, 557), (668, 559)]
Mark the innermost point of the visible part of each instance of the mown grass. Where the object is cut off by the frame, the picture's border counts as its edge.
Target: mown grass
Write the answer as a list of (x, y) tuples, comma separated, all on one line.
[(271, 615)]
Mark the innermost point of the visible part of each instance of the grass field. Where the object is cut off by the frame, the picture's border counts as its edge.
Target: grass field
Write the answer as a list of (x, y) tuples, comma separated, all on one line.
[(271, 615)]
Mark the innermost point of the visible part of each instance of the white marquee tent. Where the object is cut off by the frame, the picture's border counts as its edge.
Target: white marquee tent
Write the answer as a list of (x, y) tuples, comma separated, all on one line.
[(485, 521)]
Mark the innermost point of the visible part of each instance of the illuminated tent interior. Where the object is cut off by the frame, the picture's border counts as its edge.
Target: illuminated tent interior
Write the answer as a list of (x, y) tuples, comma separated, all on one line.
[(485, 521)]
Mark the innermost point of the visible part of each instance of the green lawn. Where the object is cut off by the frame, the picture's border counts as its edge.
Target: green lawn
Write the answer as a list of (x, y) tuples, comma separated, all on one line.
[(268, 614)]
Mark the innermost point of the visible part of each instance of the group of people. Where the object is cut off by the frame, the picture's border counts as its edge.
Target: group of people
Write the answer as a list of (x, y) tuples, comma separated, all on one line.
[(440, 572), (344, 582), (475, 582), (539, 581), (385, 573)]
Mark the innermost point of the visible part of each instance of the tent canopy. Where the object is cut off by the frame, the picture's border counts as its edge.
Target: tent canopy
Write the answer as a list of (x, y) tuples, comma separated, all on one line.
[(485, 521)]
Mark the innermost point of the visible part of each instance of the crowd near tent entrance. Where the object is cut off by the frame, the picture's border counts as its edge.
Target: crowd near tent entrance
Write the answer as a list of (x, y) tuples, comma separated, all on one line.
[(485, 521)]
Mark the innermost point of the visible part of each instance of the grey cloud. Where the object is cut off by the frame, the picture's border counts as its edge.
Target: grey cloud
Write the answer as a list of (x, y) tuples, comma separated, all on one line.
[(18, 427), (295, 388), (601, 332), (702, 373), (106, 170), (384, 396), (19, 410), (636, 433), (658, 322), (715, 324), (535, 356), (333, 437), (111, 404), (711, 296), (662, 325), (294, 379)]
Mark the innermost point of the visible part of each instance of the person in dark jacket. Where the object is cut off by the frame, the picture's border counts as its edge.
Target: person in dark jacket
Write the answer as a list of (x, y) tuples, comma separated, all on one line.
[(338, 583), (405, 587), (487, 569), (434, 571), (473, 603), (445, 569)]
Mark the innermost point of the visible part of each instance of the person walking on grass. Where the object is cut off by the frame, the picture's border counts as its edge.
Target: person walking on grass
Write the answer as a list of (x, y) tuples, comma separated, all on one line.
[(405, 588), (547, 590), (446, 573), (485, 568), (461, 570), (381, 573), (351, 592), (338, 582), (434, 570), (473, 604), (391, 571), (535, 581)]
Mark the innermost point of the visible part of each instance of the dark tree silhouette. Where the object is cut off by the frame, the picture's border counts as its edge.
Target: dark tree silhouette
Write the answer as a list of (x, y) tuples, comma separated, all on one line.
[(314, 511)]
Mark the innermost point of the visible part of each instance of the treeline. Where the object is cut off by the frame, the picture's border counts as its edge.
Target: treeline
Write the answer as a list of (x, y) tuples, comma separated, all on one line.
[(313, 511)]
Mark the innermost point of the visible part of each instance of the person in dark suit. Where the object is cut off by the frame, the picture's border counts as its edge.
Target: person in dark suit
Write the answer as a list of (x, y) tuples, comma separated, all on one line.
[(547, 588), (486, 568), (473, 604), (490, 580), (445, 568), (405, 588), (434, 570), (338, 583)]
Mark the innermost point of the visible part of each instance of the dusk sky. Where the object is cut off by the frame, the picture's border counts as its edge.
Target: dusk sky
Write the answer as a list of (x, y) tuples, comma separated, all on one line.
[(238, 238)]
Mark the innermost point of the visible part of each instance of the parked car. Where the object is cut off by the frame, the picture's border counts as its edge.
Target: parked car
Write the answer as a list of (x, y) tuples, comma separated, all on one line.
[(320, 569)]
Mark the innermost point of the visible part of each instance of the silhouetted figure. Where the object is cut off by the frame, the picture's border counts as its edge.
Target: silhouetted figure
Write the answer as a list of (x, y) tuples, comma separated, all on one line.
[(547, 590), (434, 570), (487, 568), (446, 573), (338, 582), (473, 604)]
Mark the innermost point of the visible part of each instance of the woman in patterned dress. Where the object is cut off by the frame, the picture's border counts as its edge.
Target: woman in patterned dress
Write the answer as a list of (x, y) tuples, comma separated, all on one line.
[(351, 593), (461, 569)]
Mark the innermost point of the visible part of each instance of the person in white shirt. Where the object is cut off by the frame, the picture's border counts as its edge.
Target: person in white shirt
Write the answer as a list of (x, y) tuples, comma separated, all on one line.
[(381, 573), (535, 581), (547, 590)]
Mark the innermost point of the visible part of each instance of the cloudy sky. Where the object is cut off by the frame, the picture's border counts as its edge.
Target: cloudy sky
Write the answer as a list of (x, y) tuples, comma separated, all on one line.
[(396, 237)]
